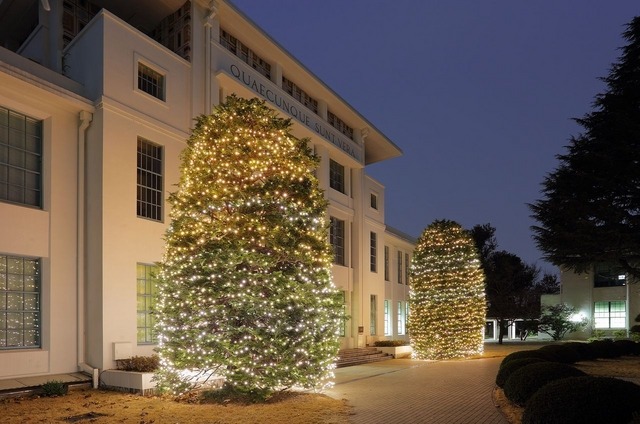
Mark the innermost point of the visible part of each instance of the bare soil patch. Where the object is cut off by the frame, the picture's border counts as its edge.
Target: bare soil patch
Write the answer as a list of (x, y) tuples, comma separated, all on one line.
[(100, 406), (627, 367)]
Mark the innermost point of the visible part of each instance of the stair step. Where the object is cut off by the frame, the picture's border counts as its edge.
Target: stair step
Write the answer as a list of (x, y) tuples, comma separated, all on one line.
[(359, 356)]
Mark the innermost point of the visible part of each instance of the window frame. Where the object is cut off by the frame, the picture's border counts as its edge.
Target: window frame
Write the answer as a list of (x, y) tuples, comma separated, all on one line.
[(337, 240), (161, 94), (373, 252), (607, 313), (402, 318), (387, 273), (337, 176), (373, 201), (373, 314), (148, 280), (400, 270), (388, 331), (608, 275), (149, 197), (21, 157), (36, 295)]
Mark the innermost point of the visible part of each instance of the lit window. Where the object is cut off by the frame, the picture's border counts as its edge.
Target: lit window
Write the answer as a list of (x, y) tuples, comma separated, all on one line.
[(19, 302), (387, 318), (373, 312), (386, 263), (373, 252), (150, 81), (149, 193), (146, 293), (402, 318), (20, 158), (336, 176), (336, 238), (610, 314)]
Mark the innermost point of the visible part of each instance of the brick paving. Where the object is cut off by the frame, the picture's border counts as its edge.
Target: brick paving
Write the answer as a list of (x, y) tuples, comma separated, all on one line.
[(406, 391)]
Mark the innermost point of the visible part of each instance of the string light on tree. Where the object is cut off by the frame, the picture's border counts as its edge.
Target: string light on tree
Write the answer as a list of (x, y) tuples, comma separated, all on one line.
[(245, 288), (447, 294)]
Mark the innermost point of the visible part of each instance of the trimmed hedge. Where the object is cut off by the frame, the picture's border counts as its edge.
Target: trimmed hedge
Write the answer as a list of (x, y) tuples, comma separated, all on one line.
[(547, 356), (585, 350), (524, 382), (506, 370), (563, 353), (579, 400)]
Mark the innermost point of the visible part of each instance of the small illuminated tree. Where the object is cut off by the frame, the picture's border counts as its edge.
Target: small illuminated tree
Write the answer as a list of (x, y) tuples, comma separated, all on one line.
[(245, 289), (447, 299)]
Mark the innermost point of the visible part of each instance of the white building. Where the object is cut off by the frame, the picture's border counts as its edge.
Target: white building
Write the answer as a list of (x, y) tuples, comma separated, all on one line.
[(95, 107)]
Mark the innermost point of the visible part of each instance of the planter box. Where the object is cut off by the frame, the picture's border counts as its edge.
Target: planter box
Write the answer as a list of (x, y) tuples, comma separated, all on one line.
[(128, 381), (398, 351)]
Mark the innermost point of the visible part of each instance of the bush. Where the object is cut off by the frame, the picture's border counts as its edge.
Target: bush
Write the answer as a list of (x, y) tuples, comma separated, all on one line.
[(581, 400), (605, 349), (541, 354), (139, 363), (54, 388), (583, 349), (524, 382), (563, 353), (390, 343), (511, 366)]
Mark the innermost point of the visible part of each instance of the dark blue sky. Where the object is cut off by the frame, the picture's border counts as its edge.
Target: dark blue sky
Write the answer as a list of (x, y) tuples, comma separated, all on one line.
[(478, 94)]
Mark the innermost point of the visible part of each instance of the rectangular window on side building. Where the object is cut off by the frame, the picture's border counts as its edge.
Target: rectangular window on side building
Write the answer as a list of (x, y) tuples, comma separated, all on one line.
[(373, 251), (149, 199), (336, 176), (373, 313), (146, 289), (151, 81), (336, 238)]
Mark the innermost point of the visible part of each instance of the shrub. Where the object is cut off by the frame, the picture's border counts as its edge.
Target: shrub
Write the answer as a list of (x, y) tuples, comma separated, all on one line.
[(620, 334), (581, 400), (390, 343), (583, 349), (626, 347), (511, 366), (54, 388), (563, 353), (605, 349), (548, 356), (139, 363), (524, 382)]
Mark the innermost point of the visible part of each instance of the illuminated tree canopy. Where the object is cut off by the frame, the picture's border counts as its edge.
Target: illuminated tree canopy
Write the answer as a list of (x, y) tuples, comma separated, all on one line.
[(245, 287), (447, 294)]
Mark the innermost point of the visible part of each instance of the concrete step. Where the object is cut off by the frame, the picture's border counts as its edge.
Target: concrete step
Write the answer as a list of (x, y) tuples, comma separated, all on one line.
[(351, 357)]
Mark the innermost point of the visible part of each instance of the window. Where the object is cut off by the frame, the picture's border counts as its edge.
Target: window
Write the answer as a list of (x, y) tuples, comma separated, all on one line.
[(247, 55), (336, 238), (387, 318), (150, 81), (608, 275), (400, 273), (406, 268), (610, 314), (20, 158), (339, 124), (146, 292), (336, 176), (373, 252), (402, 317), (373, 313), (343, 327), (19, 302), (299, 94), (373, 201), (386, 263), (149, 200)]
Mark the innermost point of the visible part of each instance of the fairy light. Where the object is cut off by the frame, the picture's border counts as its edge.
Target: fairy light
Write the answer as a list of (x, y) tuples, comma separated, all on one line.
[(447, 296), (245, 288)]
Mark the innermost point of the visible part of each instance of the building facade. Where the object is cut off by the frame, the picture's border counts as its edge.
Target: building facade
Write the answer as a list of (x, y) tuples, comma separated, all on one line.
[(97, 99)]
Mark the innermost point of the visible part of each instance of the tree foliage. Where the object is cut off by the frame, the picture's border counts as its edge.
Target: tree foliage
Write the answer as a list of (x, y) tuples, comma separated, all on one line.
[(590, 210), (245, 289), (558, 320), (447, 295)]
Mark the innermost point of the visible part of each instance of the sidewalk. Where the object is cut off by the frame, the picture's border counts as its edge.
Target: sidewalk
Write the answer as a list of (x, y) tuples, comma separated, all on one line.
[(406, 391)]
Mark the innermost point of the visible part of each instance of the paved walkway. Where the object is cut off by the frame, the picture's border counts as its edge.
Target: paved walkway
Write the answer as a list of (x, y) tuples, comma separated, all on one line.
[(406, 391)]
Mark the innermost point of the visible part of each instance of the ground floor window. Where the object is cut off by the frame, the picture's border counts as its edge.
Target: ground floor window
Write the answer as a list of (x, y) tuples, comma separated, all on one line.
[(402, 317), (387, 318), (610, 314), (373, 312), (147, 294), (19, 302), (489, 330)]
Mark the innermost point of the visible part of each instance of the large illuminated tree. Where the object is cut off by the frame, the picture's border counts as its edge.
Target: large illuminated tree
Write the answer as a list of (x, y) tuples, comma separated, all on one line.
[(447, 300), (245, 288)]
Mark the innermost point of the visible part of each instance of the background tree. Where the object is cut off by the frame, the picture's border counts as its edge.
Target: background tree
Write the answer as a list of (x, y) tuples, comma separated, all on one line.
[(512, 286), (245, 288), (447, 294), (558, 320), (589, 212)]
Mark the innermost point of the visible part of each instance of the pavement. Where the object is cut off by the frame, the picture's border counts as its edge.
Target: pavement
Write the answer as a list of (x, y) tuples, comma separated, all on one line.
[(407, 391)]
